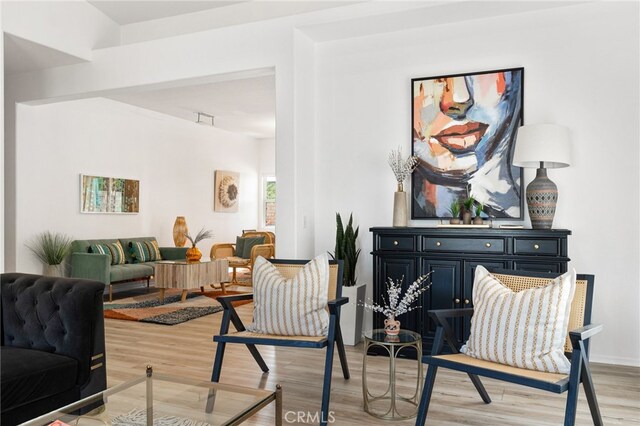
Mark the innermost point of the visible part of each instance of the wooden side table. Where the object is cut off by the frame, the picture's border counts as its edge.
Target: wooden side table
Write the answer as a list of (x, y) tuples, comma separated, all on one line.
[(393, 345), (189, 276)]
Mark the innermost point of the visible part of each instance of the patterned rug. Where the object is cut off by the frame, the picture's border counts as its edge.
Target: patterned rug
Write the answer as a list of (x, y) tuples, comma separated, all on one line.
[(139, 418), (148, 308)]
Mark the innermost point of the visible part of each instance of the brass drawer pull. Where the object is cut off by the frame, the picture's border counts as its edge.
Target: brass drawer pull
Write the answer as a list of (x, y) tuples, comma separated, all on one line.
[(438, 243), (457, 300), (395, 243), (487, 245), (536, 246), (466, 301)]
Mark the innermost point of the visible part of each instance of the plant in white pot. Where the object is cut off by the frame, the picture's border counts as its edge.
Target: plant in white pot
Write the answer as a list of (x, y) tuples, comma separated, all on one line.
[(52, 249), (351, 314)]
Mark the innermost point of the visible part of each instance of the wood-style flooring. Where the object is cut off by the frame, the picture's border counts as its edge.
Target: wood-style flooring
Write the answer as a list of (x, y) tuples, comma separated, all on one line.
[(187, 350)]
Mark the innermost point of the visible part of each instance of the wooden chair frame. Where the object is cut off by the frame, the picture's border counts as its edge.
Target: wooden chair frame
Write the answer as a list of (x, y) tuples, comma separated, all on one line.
[(333, 338), (579, 357)]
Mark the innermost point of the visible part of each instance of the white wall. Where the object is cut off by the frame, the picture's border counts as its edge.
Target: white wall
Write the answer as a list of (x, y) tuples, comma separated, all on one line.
[(174, 160), (346, 104), (581, 70)]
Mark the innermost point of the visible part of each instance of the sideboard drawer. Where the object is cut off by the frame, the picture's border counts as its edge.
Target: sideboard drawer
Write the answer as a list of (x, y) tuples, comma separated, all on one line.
[(474, 245), (542, 247), (396, 242)]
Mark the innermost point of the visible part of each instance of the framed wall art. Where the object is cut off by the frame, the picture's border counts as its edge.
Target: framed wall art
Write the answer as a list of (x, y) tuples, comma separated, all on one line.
[(99, 194), (226, 194), (464, 129)]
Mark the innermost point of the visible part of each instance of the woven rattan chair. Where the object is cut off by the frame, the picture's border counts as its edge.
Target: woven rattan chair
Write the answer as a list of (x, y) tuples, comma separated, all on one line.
[(576, 349), (288, 269), (228, 251)]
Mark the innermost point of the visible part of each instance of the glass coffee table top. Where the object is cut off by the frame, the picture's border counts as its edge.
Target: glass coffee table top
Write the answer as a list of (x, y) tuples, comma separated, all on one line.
[(158, 399)]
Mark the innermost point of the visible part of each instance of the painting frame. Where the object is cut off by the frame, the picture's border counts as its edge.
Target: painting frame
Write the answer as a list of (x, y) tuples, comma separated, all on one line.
[(109, 195), (226, 192), (441, 176)]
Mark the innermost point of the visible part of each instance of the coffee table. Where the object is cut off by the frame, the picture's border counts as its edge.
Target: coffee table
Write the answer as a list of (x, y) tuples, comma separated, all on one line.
[(190, 275), (167, 400)]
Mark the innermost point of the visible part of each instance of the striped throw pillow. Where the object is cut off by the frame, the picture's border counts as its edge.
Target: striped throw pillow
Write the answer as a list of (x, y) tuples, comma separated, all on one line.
[(526, 329), (145, 251), (114, 250), (291, 307)]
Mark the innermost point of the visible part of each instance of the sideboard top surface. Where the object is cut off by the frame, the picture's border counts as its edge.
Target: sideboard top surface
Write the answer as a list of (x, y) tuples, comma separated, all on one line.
[(469, 231)]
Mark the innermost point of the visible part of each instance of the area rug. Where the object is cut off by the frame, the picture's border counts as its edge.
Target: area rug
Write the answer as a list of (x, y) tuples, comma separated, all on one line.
[(148, 308), (139, 418)]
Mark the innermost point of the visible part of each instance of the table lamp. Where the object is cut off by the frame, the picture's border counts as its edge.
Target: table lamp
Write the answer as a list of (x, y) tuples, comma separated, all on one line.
[(545, 146)]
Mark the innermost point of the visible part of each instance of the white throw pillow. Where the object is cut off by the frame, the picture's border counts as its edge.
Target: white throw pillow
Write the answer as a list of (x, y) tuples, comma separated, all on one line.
[(291, 307), (526, 329)]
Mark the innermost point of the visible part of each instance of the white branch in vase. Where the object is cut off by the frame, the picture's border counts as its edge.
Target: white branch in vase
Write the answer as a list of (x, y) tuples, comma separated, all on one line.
[(402, 169)]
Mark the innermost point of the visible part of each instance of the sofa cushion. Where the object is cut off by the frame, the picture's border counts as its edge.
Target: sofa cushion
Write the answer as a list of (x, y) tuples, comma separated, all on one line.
[(28, 375), (145, 251), (126, 243), (129, 272), (82, 246), (114, 250)]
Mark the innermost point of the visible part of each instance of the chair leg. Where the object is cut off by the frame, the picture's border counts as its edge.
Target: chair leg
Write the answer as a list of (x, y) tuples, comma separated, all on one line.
[(480, 388), (326, 387), (341, 353), (574, 387), (215, 375), (590, 392), (110, 292), (256, 355), (423, 408)]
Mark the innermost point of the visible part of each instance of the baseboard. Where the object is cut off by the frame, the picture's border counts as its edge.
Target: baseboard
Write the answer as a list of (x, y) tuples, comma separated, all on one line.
[(616, 360)]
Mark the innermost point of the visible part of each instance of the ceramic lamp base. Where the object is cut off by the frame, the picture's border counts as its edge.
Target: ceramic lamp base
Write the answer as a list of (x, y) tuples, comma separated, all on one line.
[(542, 197)]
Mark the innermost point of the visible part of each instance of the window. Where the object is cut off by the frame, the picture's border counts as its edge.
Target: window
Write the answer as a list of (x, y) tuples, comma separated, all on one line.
[(269, 211)]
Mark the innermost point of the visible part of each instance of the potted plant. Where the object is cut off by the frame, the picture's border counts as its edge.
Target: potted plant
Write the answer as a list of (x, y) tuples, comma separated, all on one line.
[(351, 314), (394, 306), (478, 220), (51, 249), (194, 254), (454, 209), (467, 208)]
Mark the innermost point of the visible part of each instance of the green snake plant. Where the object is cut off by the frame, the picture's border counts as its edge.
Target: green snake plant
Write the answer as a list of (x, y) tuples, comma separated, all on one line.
[(345, 249)]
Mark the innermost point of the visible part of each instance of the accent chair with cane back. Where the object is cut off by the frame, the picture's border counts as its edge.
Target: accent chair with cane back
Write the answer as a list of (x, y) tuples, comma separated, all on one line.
[(262, 243), (576, 344), (288, 272)]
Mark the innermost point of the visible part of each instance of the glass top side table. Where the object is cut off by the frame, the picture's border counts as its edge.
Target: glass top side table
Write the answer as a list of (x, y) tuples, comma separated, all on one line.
[(393, 345)]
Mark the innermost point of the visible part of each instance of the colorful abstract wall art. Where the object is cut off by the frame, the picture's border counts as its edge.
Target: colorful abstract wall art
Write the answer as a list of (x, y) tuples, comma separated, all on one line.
[(100, 194), (226, 194), (464, 128)]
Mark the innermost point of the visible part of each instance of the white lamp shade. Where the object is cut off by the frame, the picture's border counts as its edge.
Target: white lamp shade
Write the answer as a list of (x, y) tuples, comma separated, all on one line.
[(549, 143)]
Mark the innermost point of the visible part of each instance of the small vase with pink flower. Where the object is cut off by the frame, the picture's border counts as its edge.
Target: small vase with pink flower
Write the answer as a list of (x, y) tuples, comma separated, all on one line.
[(395, 305)]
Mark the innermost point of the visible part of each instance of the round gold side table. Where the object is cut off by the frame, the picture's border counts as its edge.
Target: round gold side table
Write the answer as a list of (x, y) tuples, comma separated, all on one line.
[(393, 345)]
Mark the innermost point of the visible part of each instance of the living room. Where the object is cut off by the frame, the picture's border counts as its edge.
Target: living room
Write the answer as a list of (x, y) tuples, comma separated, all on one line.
[(342, 102)]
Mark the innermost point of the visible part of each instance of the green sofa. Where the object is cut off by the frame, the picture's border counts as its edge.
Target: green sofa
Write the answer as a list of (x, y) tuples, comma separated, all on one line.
[(98, 267)]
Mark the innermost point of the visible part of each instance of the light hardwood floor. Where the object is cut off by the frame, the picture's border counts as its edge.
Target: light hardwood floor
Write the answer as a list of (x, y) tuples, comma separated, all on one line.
[(187, 350)]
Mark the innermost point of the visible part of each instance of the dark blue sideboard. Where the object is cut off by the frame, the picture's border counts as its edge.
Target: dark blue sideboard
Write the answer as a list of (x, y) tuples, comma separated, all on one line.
[(452, 254)]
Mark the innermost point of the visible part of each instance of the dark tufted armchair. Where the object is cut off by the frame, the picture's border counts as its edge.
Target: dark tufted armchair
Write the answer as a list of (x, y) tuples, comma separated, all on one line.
[(52, 344)]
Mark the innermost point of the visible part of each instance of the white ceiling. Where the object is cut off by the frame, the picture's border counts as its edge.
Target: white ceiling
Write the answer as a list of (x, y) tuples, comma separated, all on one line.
[(129, 12), (245, 106)]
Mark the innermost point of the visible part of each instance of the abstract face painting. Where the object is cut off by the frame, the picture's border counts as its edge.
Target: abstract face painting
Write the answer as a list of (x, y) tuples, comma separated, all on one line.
[(464, 131)]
